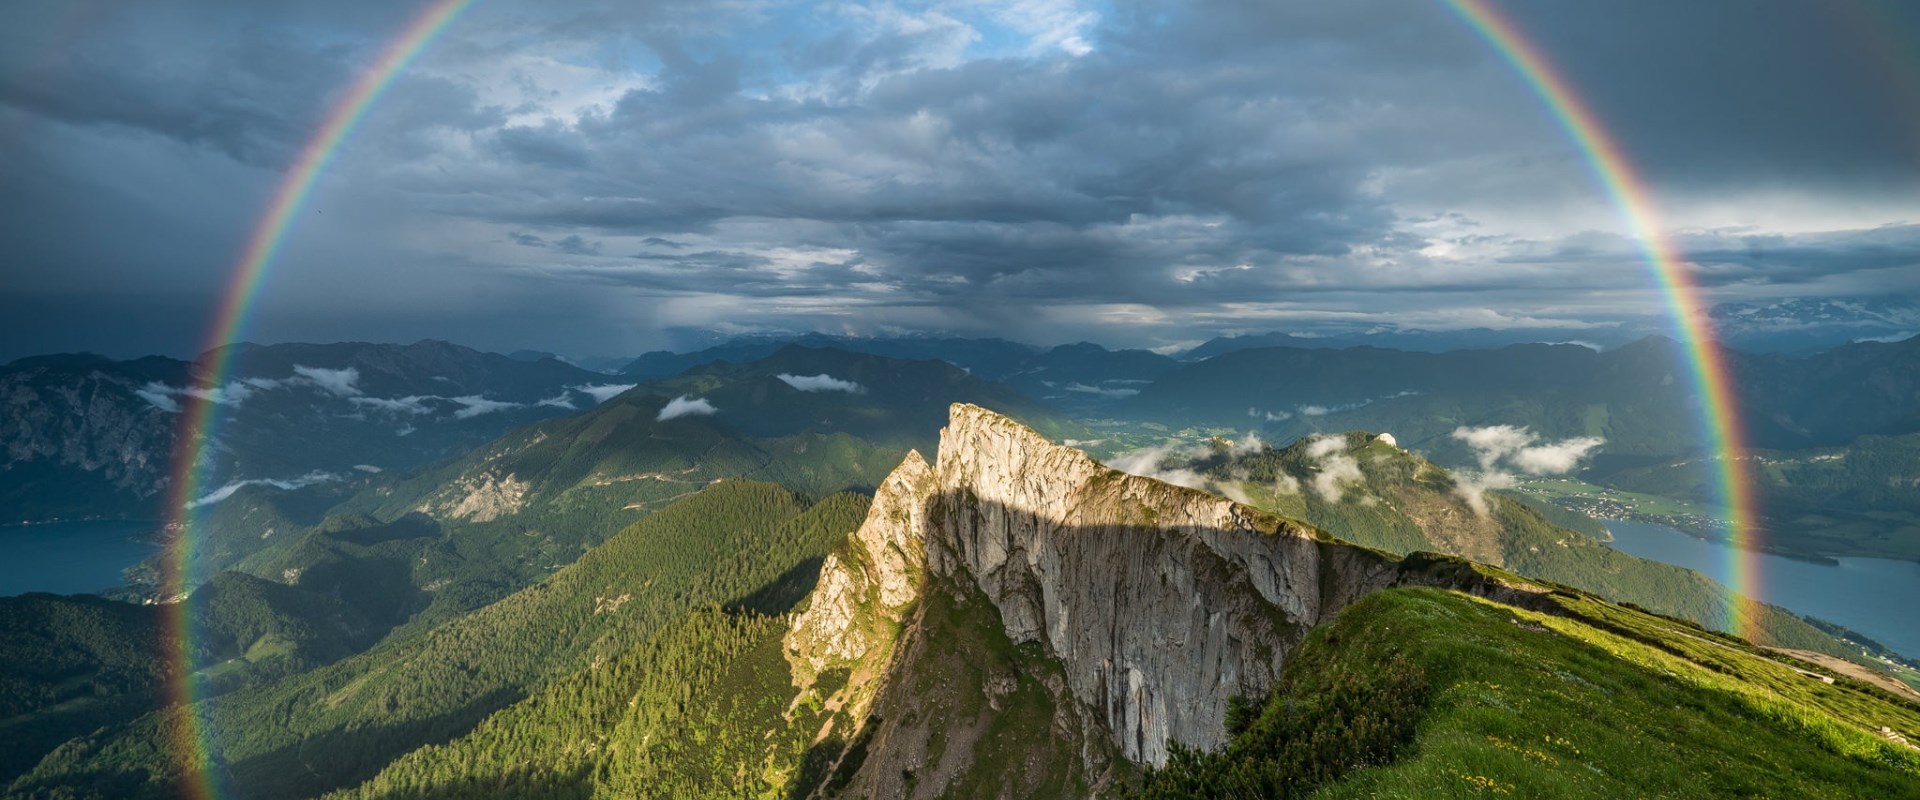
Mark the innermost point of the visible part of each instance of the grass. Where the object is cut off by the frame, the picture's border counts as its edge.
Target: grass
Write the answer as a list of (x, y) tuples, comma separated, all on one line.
[(1598, 701)]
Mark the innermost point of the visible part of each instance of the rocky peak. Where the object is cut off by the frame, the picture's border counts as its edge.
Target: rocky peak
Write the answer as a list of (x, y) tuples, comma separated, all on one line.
[(1157, 603), (866, 586)]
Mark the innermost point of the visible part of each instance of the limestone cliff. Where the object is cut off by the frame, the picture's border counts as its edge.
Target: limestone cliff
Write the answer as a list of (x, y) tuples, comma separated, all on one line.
[(1129, 609)]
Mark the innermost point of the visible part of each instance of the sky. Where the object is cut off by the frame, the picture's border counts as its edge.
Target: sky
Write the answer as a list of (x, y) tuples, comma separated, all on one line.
[(604, 178)]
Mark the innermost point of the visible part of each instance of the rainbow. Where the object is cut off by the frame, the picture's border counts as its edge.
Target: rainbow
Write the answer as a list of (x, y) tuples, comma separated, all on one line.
[(198, 418), (1712, 377), (1713, 382)]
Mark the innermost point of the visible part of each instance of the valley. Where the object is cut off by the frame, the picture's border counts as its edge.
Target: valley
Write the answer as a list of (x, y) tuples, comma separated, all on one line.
[(423, 627)]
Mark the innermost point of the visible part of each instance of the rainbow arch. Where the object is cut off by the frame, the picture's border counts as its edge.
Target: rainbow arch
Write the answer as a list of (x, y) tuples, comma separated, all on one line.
[(1629, 193), (1712, 378), (199, 415)]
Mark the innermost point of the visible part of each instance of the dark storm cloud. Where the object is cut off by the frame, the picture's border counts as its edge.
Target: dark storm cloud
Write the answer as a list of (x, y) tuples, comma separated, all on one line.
[(1143, 167)]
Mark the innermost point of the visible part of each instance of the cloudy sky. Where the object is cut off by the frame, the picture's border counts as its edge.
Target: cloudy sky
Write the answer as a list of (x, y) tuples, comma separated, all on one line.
[(604, 178)]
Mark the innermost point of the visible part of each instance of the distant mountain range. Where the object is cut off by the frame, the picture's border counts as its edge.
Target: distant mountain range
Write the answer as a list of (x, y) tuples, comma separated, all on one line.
[(88, 436), (1808, 324), (1082, 377), (1639, 397)]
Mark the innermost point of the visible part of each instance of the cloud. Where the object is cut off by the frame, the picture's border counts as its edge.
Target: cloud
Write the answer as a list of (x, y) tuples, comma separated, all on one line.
[(227, 490), (959, 166), (558, 401), (602, 392), (474, 405), (1492, 442), (1108, 392), (683, 406), (820, 383), (412, 404), (1157, 463), (159, 396), (1472, 486), (1337, 469), (1502, 449), (335, 381), (1555, 458), (162, 396)]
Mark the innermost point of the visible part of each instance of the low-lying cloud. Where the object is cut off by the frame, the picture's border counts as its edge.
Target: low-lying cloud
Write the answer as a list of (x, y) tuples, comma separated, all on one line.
[(1156, 463), (1115, 393), (602, 392), (1172, 464), (165, 398), (412, 404), (820, 383), (338, 382), (341, 382), (227, 491), (1501, 450), (1338, 469), (474, 405), (684, 406)]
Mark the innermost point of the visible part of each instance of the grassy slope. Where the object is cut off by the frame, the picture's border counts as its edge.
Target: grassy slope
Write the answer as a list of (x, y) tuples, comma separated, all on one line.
[(1421, 693)]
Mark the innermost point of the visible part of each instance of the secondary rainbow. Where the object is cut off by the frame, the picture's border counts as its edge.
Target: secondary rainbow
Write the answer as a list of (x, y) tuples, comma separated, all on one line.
[(1712, 378), (199, 417)]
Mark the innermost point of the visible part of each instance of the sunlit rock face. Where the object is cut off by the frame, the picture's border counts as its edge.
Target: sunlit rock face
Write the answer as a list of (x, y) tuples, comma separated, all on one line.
[(1157, 603)]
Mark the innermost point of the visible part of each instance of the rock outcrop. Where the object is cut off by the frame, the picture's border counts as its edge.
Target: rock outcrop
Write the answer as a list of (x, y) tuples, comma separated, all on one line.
[(1150, 605), (866, 587)]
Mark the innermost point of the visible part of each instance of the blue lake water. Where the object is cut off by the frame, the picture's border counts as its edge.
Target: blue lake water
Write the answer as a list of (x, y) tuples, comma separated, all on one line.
[(1878, 597), (71, 557)]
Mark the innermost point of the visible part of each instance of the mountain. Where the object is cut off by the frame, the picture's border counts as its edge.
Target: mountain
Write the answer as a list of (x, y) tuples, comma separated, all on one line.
[(1859, 499), (1085, 378), (817, 420), (1365, 489), (1017, 620), (1638, 397), (733, 542), (1815, 323), (1076, 378), (79, 440), (993, 358), (72, 665), (88, 436), (1414, 339)]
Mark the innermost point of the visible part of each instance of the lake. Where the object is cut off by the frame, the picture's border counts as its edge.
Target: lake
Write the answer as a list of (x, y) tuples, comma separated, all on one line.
[(71, 557), (1875, 596)]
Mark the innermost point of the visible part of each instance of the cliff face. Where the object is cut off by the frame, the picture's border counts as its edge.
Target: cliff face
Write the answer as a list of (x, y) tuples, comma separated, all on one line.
[(1135, 608), (76, 440)]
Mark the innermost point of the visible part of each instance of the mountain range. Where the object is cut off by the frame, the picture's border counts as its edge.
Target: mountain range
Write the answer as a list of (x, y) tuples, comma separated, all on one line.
[(745, 578), (88, 436), (1016, 619)]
